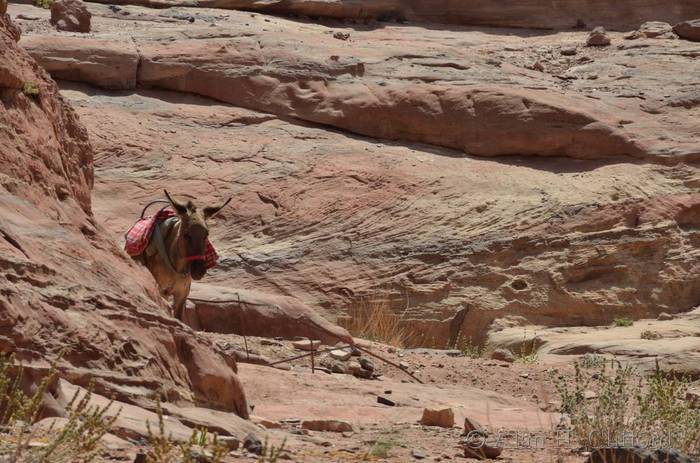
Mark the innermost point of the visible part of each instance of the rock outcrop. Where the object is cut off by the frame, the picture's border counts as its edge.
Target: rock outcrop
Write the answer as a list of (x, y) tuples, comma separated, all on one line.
[(484, 120), (70, 16), (536, 14), (219, 309), (65, 287), (689, 30), (455, 245)]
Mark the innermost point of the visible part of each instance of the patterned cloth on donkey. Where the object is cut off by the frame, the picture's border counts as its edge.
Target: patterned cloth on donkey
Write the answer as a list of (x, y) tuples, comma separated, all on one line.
[(138, 236)]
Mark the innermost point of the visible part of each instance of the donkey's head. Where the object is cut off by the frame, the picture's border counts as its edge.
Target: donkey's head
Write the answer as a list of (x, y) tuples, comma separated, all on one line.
[(194, 232)]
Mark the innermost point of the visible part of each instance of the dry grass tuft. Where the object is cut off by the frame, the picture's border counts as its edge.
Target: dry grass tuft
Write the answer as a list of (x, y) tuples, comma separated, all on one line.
[(373, 319)]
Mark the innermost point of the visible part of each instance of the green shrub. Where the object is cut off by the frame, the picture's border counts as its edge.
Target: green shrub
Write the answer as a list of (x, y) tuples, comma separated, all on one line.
[(470, 349), (623, 321), (45, 4), (30, 89)]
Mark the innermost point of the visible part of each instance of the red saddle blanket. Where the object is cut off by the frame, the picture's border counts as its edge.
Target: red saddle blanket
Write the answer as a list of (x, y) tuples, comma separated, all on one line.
[(138, 236)]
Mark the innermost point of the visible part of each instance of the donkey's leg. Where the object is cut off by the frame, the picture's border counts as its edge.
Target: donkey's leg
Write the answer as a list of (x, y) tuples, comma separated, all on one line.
[(180, 299)]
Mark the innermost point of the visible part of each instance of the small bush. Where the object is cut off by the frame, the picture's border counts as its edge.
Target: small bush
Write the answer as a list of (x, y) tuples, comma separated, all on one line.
[(651, 410), (469, 349), (77, 442), (592, 361), (623, 321), (162, 449), (270, 454), (30, 89), (380, 449), (650, 335), (527, 353), (45, 4)]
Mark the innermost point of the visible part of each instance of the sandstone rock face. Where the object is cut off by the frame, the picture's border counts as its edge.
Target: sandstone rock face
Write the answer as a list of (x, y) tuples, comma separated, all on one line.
[(107, 63), (472, 119), (689, 30), (8, 27), (674, 348), (458, 245), (64, 285), (568, 14), (251, 313), (70, 16)]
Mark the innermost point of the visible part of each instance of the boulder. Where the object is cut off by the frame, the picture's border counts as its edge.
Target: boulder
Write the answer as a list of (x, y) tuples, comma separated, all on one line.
[(70, 16), (471, 425), (442, 417), (656, 30), (338, 367), (503, 355), (341, 354), (598, 38), (327, 425), (366, 364), (252, 444), (688, 30), (483, 452), (307, 344), (258, 314), (355, 367), (663, 316)]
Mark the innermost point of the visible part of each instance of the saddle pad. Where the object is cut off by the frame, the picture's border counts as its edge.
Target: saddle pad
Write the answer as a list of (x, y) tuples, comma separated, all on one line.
[(139, 235)]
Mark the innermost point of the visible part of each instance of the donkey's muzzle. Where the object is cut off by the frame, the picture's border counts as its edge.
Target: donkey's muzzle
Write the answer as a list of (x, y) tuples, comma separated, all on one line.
[(197, 269)]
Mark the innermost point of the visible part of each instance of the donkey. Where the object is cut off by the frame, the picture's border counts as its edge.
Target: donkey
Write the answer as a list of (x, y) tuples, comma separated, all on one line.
[(177, 256)]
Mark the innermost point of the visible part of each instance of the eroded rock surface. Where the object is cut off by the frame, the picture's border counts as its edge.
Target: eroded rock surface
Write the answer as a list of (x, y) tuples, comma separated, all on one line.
[(65, 287), (220, 309), (465, 91), (452, 242), (536, 14)]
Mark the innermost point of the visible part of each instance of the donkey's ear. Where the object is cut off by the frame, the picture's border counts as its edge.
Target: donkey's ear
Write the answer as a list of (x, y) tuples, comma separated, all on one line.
[(211, 211), (178, 206)]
